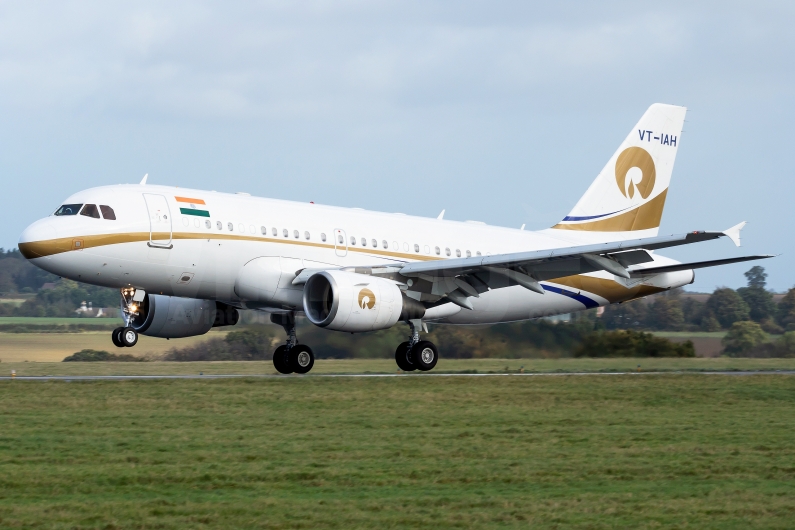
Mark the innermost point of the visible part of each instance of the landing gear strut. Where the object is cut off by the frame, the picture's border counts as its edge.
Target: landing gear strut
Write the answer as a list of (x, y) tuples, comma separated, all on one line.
[(126, 336), (416, 354), (291, 357)]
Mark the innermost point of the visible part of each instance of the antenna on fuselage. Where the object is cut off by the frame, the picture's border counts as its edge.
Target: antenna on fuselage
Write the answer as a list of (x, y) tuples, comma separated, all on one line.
[(143, 180)]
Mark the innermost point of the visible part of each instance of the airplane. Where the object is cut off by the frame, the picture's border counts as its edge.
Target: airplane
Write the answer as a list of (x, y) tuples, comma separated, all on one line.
[(187, 260)]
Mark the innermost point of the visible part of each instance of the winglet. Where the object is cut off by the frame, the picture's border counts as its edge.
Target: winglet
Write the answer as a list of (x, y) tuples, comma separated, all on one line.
[(734, 233), (441, 215), (143, 180)]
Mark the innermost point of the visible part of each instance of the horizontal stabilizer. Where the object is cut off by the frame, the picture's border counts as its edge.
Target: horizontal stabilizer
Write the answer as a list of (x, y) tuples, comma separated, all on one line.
[(637, 273)]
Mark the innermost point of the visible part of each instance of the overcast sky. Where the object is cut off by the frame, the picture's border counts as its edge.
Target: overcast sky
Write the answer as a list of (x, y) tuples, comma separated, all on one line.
[(498, 112)]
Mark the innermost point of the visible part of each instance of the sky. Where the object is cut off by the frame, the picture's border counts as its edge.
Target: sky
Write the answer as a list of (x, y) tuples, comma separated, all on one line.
[(498, 112)]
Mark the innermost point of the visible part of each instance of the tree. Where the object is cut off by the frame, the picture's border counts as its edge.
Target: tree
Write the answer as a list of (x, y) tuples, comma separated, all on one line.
[(628, 343), (786, 311), (727, 306), (743, 338), (757, 277), (665, 313), (759, 300)]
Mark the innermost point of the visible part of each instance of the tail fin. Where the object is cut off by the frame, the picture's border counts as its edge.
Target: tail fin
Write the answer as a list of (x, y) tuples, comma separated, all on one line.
[(629, 194)]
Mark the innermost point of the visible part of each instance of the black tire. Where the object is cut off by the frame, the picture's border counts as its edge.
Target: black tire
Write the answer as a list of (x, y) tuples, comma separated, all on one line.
[(280, 361), (301, 358), (129, 337), (403, 357), (424, 355), (115, 336)]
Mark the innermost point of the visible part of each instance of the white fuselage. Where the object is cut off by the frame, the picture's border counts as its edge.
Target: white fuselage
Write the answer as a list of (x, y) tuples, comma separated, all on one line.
[(161, 245)]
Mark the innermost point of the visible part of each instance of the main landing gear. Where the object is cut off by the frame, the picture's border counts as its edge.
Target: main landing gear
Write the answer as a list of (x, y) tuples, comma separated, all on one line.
[(291, 357), (126, 336), (416, 354)]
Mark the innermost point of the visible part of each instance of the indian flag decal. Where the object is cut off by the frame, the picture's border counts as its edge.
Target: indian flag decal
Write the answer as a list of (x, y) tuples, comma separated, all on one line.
[(192, 206)]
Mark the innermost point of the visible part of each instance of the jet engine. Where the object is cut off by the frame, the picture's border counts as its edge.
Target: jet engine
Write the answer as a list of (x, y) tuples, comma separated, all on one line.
[(170, 317), (348, 301)]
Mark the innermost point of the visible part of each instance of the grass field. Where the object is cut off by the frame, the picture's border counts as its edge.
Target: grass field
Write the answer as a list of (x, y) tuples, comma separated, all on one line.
[(356, 366), (674, 451)]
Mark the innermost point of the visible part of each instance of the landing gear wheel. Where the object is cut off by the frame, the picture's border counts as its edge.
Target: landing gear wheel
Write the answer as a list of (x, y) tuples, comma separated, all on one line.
[(403, 357), (301, 359), (115, 336), (280, 360), (129, 337), (424, 355)]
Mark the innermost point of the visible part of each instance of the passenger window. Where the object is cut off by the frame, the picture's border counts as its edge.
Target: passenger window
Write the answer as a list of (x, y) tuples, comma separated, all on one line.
[(90, 210), (416, 247), (437, 250), (457, 253), (353, 240), (208, 224), (185, 221), (478, 253), (264, 231), (447, 251), (107, 212), (374, 243), (196, 222), (274, 231), (364, 242), (68, 209), (395, 245), (251, 229), (285, 233), (306, 236), (341, 241), (219, 225), (323, 237), (405, 247), (295, 234), (469, 254), (231, 227), (384, 244), (241, 228)]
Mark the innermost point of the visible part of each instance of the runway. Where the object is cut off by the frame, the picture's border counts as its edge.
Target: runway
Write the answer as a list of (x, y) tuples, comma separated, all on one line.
[(69, 378)]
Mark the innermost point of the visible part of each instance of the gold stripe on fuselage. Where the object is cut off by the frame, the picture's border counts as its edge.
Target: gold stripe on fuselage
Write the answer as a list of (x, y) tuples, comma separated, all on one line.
[(608, 289)]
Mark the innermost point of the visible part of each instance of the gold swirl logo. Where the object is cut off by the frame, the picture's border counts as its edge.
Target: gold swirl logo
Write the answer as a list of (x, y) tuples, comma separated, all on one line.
[(641, 159), (366, 299)]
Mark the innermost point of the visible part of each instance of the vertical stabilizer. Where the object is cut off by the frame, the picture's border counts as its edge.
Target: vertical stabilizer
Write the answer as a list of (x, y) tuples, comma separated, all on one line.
[(628, 195)]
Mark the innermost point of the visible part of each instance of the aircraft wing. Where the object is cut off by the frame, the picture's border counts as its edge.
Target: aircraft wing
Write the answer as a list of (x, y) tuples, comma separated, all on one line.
[(648, 271), (613, 257)]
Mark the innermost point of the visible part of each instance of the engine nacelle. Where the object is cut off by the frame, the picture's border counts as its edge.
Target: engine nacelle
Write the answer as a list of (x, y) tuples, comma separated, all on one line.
[(169, 317), (347, 301)]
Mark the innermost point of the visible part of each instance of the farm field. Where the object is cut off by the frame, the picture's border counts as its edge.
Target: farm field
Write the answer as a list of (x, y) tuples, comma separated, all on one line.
[(673, 451), (53, 347)]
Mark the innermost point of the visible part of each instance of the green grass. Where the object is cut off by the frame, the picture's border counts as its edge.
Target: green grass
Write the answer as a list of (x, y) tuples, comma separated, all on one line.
[(349, 366), (675, 451)]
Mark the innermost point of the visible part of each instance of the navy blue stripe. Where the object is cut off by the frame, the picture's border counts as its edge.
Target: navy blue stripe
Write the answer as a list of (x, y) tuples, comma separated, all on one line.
[(587, 217), (584, 300)]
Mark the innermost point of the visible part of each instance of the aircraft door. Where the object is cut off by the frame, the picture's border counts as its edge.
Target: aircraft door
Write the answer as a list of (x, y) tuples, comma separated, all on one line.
[(340, 242), (159, 220)]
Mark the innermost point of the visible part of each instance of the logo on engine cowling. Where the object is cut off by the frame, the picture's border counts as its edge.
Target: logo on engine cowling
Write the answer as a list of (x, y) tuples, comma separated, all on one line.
[(366, 299)]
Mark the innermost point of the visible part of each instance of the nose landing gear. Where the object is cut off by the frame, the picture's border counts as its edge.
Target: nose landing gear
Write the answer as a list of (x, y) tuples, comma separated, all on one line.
[(126, 336), (291, 357)]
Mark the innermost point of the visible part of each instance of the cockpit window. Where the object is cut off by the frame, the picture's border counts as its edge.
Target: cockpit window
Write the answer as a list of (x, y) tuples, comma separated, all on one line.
[(90, 210), (68, 209), (108, 213)]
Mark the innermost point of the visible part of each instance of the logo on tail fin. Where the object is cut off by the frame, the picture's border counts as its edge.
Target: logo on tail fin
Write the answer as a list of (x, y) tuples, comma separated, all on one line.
[(638, 157)]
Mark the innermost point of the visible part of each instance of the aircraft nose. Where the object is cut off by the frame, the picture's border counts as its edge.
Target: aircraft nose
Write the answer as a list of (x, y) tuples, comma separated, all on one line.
[(33, 236)]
